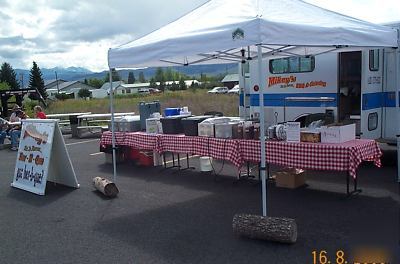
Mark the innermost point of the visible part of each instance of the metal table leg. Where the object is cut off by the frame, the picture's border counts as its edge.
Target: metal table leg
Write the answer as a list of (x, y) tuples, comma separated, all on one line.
[(173, 162), (187, 164), (355, 190)]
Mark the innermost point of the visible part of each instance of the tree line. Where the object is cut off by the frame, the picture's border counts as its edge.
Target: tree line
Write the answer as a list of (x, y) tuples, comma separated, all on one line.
[(8, 79), (160, 79)]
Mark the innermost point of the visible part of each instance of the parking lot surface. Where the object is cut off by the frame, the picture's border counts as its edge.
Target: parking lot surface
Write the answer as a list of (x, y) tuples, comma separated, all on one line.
[(171, 216)]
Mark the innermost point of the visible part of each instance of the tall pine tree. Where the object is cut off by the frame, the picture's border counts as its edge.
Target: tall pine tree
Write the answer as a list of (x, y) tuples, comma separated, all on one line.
[(114, 74), (131, 78), (153, 83), (7, 75), (182, 84), (159, 76), (36, 80), (142, 79)]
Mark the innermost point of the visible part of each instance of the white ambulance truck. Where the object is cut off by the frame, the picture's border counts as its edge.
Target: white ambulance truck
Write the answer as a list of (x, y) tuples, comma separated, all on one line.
[(358, 86)]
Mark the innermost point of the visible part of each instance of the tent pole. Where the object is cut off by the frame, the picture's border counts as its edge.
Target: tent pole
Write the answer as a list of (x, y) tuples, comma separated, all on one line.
[(262, 131), (397, 97), (112, 127)]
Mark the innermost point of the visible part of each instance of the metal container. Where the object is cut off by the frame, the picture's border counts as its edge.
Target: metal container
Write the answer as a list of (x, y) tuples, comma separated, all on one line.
[(207, 129), (237, 132), (225, 130), (248, 132), (272, 132), (129, 124)]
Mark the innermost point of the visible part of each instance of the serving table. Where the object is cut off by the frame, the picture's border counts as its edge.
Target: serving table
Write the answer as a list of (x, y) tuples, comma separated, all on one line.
[(344, 157)]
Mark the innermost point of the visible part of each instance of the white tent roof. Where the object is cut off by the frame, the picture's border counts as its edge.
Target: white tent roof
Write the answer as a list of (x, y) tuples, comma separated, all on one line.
[(220, 28)]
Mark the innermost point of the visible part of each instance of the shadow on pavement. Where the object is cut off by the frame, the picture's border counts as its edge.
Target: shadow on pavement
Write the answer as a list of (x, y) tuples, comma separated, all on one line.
[(199, 230), (52, 194)]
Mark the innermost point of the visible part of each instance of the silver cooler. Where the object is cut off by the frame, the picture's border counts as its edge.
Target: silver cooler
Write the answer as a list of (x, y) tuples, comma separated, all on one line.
[(225, 130), (206, 128), (129, 124)]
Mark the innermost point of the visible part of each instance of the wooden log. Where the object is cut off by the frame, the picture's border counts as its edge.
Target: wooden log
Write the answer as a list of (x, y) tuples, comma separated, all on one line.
[(277, 229), (108, 188)]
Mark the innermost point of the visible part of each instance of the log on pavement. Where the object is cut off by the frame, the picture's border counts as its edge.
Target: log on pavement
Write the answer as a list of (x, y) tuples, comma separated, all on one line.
[(277, 229), (108, 188)]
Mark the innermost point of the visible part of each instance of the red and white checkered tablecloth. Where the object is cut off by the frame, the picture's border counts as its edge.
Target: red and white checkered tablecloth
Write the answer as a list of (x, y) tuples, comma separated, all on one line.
[(137, 140), (218, 148), (175, 144), (226, 149), (345, 156)]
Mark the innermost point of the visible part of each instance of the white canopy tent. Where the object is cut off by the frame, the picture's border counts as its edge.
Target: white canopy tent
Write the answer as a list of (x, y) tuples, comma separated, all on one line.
[(220, 31)]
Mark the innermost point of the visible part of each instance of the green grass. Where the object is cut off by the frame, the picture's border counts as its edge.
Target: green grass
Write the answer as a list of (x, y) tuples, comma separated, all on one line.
[(197, 100)]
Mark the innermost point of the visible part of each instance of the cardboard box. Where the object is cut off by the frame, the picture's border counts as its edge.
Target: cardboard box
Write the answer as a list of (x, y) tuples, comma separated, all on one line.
[(153, 126), (290, 178), (338, 134)]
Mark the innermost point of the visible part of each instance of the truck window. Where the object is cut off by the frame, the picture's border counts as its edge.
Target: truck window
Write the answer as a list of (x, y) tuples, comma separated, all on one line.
[(374, 60), (279, 66), (292, 65)]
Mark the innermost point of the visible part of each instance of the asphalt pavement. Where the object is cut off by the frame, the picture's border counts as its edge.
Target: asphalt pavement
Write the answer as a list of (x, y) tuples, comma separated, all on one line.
[(171, 216)]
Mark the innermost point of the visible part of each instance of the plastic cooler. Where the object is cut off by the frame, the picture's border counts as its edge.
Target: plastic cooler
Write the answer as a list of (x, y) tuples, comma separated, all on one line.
[(190, 124), (146, 158), (133, 154), (172, 111), (145, 110)]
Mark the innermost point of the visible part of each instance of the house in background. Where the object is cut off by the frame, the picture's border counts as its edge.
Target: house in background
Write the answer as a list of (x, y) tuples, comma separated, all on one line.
[(121, 88), (133, 88), (52, 84), (231, 80), (106, 86), (187, 82), (98, 93), (70, 88)]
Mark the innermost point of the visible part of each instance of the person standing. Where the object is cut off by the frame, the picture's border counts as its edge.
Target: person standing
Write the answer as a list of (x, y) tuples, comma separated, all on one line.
[(15, 131), (39, 112), (3, 130)]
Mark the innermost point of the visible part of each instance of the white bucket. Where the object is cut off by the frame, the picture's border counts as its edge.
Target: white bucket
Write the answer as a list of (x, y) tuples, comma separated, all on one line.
[(205, 164)]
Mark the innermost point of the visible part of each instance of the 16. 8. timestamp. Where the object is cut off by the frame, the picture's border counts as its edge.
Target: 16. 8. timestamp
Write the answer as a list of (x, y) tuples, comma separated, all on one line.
[(322, 257)]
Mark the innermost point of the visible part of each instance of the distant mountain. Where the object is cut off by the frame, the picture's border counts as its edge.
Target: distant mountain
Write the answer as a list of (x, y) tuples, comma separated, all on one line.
[(68, 74), (192, 70), (79, 73)]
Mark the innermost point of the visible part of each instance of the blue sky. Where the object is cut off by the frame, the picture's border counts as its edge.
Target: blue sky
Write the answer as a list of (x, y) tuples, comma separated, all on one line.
[(78, 33)]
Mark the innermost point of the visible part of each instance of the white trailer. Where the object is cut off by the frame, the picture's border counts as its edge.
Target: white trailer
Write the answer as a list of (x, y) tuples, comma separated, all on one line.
[(361, 87), (357, 86)]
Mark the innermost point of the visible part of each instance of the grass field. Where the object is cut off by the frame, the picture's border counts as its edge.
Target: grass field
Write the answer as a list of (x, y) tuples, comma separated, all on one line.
[(198, 102)]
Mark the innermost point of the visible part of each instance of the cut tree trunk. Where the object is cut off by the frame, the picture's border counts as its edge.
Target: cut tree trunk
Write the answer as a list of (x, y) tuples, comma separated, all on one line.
[(108, 188), (277, 229)]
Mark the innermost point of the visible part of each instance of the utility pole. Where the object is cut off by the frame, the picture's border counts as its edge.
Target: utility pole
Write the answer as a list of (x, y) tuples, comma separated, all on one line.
[(58, 89), (21, 80)]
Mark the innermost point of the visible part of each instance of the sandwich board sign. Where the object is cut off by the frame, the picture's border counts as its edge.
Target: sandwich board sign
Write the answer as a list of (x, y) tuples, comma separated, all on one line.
[(42, 156)]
